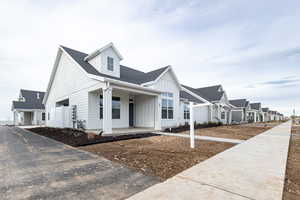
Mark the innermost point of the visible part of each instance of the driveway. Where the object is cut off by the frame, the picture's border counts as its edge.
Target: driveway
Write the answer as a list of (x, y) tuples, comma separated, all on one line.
[(36, 167)]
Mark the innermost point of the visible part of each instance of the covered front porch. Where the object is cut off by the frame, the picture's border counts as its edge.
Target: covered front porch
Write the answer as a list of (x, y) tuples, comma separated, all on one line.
[(117, 110), (27, 117)]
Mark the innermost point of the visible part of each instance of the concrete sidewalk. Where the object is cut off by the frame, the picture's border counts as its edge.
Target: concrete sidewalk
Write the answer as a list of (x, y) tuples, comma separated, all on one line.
[(216, 139), (254, 169)]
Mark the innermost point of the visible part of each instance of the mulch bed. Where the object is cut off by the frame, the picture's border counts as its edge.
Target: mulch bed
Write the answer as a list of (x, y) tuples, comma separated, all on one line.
[(187, 127), (75, 137), (292, 177)]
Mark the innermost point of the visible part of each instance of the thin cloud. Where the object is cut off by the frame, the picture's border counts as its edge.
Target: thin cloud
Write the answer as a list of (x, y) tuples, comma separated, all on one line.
[(233, 43)]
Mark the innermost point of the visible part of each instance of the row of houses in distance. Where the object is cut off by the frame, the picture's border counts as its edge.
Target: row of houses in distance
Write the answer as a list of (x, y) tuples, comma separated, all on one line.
[(97, 92)]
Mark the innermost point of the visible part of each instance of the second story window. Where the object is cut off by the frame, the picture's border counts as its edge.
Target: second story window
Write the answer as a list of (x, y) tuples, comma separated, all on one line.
[(110, 63)]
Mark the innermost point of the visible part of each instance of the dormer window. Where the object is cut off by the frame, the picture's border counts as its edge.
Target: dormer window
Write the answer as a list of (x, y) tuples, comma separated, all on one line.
[(21, 99), (110, 63)]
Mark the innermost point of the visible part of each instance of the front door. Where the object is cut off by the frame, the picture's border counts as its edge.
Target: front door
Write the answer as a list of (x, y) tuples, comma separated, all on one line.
[(131, 111)]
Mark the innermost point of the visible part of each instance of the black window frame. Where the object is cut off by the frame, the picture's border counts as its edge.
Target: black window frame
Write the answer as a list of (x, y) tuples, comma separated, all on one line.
[(167, 109), (186, 111), (116, 110), (43, 116), (110, 63)]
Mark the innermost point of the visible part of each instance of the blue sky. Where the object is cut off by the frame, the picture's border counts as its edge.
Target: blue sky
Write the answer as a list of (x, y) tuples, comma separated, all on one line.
[(252, 47)]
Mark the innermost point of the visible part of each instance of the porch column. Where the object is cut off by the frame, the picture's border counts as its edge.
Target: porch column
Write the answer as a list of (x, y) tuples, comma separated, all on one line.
[(16, 118), (157, 113), (255, 117), (34, 118), (107, 110), (211, 112), (230, 117)]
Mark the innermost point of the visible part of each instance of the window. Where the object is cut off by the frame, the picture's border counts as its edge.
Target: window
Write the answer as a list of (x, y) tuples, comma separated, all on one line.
[(222, 115), (110, 63), (116, 107), (48, 116), (43, 116), (186, 111), (101, 107), (167, 106)]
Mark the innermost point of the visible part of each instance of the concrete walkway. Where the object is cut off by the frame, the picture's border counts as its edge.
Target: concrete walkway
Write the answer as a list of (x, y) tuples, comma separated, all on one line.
[(216, 139), (254, 169), (36, 167)]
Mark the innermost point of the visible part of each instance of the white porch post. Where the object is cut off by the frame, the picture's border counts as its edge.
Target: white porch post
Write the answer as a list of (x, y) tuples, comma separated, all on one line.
[(157, 117), (16, 118), (107, 110), (255, 116), (34, 120), (211, 112), (192, 130), (230, 117)]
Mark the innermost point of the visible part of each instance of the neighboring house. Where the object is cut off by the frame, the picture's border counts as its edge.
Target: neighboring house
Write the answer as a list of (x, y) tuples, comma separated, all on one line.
[(220, 108), (29, 109), (266, 115), (272, 115), (255, 113), (201, 114), (96, 91), (239, 112)]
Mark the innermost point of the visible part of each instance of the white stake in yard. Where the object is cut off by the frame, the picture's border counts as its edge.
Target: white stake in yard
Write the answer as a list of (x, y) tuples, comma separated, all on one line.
[(192, 128)]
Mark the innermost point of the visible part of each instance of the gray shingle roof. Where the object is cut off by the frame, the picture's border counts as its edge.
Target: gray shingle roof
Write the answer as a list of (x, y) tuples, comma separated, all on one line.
[(185, 95), (255, 106), (127, 74), (265, 109), (247, 103), (31, 100), (241, 103), (209, 93)]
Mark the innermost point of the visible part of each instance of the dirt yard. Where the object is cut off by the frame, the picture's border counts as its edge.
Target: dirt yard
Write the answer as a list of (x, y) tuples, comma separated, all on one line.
[(242, 132), (161, 156), (292, 177)]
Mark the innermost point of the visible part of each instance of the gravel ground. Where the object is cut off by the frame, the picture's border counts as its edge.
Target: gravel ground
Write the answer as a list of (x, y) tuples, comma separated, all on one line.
[(162, 156), (292, 179), (242, 132)]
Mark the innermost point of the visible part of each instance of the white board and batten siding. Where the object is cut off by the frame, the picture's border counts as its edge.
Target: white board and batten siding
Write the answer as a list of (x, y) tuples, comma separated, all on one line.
[(70, 82), (144, 111), (167, 83), (100, 62), (201, 114)]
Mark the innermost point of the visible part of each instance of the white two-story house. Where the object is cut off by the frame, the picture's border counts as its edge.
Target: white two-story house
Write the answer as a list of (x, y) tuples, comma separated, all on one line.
[(95, 91)]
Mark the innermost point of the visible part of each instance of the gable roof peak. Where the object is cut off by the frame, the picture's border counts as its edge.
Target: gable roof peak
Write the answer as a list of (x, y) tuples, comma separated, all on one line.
[(99, 51)]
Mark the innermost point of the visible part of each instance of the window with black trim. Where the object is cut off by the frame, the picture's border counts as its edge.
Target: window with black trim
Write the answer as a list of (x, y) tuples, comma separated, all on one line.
[(116, 107), (186, 113), (110, 63), (101, 107), (222, 115), (43, 116), (167, 106)]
